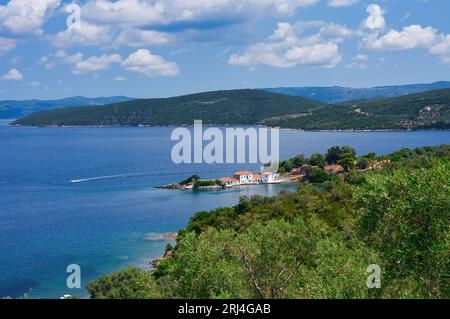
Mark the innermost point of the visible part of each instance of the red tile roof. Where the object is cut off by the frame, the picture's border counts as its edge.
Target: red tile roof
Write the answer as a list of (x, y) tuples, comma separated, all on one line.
[(243, 173), (228, 179)]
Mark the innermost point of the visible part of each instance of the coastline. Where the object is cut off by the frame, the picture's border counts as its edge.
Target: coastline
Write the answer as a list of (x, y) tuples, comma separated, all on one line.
[(228, 125), (113, 150), (167, 253), (286, 180)]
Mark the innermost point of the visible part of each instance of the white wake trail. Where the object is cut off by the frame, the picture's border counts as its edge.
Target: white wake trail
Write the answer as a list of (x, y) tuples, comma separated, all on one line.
[(82, 180)]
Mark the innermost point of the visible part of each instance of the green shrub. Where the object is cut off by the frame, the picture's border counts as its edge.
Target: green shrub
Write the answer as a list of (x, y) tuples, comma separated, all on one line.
[(405, 215), (130, 283)]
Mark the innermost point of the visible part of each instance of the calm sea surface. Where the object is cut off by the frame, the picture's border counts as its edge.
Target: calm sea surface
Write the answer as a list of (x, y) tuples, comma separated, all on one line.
[(109, 219)]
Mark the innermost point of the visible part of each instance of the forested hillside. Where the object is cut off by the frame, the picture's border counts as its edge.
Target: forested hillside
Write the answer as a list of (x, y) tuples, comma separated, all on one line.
[(429, 110), (220, 107), (317, 242)]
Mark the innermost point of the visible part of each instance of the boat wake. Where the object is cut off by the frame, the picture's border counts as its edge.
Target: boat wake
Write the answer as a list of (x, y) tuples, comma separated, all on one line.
[(82, 180), (152, 173)]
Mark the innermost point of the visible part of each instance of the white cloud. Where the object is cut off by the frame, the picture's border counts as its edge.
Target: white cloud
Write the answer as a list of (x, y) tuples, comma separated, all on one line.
[(43, 60), (95, 63), (442, 49), (361, 57), (126, 12), (335, 31), (13, 75), (141, 12), (285, 6), (328, 30), (85, 34), (410, 37), (137, 23), (34, 83), (375, 20), (341, 3), (141, 61), (406, 16), (7, 44), (285, 48), (68, 59), (59, 58), (322, 54), (358, 62), (26, 16), (139, 38), (356, 65), (144, 62)]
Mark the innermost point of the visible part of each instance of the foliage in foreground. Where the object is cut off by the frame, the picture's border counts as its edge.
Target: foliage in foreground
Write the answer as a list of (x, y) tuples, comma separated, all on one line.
[(405, 217), (314, 243), (130, 283)]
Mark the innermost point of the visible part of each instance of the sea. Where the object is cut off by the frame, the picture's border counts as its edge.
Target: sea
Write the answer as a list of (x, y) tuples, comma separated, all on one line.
[(89, 196)]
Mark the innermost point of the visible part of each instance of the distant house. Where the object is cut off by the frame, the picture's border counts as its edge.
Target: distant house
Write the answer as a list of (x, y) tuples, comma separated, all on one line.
[(269, 177), (296, 171), (229, 182), (257, 178), (244, 177)]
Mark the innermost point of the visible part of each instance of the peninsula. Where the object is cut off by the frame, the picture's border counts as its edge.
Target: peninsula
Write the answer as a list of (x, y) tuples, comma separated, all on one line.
[(429, 110)]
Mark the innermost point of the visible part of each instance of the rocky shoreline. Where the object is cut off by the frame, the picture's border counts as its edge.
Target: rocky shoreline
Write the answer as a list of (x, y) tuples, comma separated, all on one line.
[(177, 186), (168, 252)]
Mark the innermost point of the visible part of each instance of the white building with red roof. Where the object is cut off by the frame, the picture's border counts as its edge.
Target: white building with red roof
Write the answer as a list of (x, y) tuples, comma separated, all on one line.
[(244, 177), (229, 182), (269, 177)]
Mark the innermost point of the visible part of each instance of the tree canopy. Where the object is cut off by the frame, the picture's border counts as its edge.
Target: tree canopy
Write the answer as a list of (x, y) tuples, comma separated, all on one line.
[(316, 242)]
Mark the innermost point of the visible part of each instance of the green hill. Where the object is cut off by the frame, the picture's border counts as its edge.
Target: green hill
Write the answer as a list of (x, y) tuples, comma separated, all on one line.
[(220, 107), (430, 110)]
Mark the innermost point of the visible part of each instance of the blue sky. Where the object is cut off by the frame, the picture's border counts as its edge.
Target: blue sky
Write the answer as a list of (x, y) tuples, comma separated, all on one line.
[(157, 48)]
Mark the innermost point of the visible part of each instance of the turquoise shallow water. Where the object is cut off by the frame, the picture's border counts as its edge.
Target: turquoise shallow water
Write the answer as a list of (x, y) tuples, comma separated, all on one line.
[(47, 223)]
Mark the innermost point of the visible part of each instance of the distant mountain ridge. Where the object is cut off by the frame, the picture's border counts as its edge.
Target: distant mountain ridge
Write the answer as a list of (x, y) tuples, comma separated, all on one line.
[(10, 109), (240, 107), (429, 110), (337, 94)]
